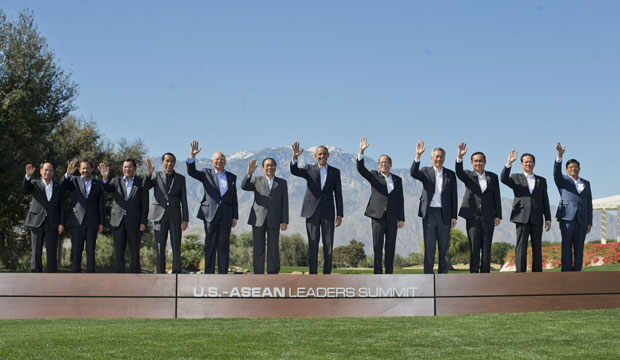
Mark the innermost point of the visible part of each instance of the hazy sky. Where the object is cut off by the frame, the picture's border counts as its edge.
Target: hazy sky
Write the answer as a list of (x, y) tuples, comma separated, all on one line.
[(246, 75)]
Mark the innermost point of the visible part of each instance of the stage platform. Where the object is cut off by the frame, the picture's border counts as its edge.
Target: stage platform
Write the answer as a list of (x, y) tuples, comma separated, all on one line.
[(25, 295)]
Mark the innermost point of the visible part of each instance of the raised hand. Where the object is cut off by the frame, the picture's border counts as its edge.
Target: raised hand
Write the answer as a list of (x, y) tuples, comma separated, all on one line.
[(149, 167), (194, 149), (71, 167), (29, 170), (560, 149), (512, 156), (251, 166), (104, 170), (363, 144), (296, 150), (419, 150), (462, 150)]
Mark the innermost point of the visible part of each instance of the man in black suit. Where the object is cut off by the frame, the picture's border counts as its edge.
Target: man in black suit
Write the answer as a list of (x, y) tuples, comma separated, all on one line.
[(530, 204), (438, 205), (218, 209), (574, 212), (269, 214), (322, 186), (481, 208), (385, 208), (129, 213), (46, 217), (168, 210), (88, 213)]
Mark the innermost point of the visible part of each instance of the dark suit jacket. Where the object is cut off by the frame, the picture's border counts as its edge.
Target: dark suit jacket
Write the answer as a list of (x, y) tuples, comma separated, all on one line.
[(40, 208), (573, 205), (317, 199), (172, 202), (134, 208), (449, 195), (475, 202), (90, 210), (380, 202), (527, 207), (270, 206), (212, 200)]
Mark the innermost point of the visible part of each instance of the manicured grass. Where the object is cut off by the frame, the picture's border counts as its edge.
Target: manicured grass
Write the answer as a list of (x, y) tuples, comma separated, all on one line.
[(589, 334)]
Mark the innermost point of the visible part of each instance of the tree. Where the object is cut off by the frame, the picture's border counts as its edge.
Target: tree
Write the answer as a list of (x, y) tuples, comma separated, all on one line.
[(351, 255), (459, 247), (293, 250), (35, 95), (499, 250), (192, 252)]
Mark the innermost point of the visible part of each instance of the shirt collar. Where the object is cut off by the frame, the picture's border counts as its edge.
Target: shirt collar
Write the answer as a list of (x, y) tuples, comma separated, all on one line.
[(438, 172), (529, 176), (129, 180)]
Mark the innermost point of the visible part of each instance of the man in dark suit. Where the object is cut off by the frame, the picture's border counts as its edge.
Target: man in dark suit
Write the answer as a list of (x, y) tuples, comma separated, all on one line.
[(46, 217), (129, 213), (168, 209), (322, 187), (481, 208), (269, 214), (438, 205), (530, 204), (385, 208), (88, 213), (218, 209), (574, 212)]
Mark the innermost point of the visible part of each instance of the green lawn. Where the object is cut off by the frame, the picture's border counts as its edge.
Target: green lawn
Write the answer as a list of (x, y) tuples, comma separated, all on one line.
[(589, 334)]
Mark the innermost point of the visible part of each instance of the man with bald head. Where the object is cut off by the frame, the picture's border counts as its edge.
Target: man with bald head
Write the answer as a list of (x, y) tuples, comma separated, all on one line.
[(323, 186), (218, 209), (46, 217)]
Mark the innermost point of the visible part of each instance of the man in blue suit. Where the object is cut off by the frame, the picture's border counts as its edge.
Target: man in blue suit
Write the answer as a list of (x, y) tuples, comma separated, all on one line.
[(322, 188), (574, 212)]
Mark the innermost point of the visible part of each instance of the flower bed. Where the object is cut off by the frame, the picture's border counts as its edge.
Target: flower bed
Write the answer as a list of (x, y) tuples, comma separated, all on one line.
[(593, 255)]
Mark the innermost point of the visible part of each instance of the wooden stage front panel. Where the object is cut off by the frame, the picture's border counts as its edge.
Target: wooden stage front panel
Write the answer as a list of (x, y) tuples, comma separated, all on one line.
[(526, 292), (24, 295), (305, 296)]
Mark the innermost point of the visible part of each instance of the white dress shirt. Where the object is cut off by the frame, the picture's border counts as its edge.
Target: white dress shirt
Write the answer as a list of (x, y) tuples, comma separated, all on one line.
[(436, 201), (531, 181), (270, 181), (48, 189), (482, 180)]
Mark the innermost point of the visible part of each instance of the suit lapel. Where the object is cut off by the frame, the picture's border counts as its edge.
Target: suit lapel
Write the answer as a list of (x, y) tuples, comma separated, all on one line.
[(161, 180), (230, 184), (82, 186), (123, 186), (134, 187), (316, 174), (274, 185)]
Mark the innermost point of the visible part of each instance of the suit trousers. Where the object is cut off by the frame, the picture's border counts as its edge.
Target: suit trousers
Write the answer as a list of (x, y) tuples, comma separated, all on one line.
[(161, 229), (383, 232), (47, 234), (316, 228), (573, 239), (534, 232), (273, 249), (80, 235), (123, 238), (217, 240), (436, 231), (480, 235)]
